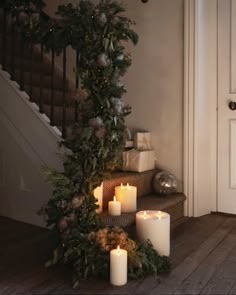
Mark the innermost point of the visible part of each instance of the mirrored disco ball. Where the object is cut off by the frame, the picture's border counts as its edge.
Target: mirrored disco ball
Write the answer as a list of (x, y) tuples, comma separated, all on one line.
[(164, 183)]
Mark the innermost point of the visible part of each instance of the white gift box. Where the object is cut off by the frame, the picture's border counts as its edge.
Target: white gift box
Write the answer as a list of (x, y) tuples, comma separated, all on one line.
[(142, 141), (138, 161)]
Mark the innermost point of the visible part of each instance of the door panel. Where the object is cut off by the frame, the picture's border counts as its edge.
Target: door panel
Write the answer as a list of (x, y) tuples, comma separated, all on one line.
[(226, 116), (232, 157)]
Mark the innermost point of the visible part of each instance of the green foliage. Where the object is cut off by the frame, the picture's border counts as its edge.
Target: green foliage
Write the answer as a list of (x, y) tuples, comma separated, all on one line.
[(22, 5), (97, 32)]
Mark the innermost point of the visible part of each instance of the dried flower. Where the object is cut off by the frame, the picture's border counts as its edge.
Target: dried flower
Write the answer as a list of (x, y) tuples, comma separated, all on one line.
[(103, 60), (77, 201), (80, 94), (118, 104), (102, 18), (62, 224), (71, 217), (100, 133), (96, 123)]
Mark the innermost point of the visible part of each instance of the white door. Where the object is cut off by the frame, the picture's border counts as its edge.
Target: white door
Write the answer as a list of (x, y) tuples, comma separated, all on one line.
[(226, 106)]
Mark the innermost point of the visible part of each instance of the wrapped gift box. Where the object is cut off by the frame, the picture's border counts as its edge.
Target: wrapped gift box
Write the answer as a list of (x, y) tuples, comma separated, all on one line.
[(129, 144), (138, 161), (142, 141)]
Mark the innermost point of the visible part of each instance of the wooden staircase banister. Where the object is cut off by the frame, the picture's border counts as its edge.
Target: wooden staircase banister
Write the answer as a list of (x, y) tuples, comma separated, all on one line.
[(18, 49)]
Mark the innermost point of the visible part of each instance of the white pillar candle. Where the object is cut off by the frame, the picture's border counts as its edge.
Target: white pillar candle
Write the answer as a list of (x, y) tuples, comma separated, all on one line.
[(98, 194), (155, 226), (114, 207), (118, 267), (127, 195)]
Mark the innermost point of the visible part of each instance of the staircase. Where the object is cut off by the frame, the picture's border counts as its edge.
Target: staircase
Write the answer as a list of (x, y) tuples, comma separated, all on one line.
[(147, 198), (38, 76)]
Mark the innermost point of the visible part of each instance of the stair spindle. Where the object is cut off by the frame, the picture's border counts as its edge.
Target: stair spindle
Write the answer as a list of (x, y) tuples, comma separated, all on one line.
[(52, 88), (4, 39), (64, 96), (31, 70), (76, 69), (13, 48), (41, 81), (22, 48), (77, 83)]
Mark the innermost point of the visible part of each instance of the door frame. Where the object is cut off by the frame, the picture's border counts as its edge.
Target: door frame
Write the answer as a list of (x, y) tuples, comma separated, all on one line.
[(200, 106)]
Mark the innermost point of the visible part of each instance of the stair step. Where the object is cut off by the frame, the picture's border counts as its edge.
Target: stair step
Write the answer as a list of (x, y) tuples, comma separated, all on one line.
[(172, 204), (143, 181)]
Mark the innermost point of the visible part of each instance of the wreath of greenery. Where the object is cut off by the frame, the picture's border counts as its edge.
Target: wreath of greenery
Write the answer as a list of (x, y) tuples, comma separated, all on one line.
[(98, 32)]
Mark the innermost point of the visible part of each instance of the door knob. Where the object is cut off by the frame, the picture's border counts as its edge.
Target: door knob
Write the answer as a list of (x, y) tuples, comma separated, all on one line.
[(232, 105)]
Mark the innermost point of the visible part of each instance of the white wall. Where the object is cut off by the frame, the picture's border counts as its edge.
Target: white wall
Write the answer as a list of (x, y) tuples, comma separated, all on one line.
[(27, 144), (155, 79)]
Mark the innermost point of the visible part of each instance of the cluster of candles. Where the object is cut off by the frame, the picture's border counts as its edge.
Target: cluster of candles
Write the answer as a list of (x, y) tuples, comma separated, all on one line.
[(150, 224), (124, 201)]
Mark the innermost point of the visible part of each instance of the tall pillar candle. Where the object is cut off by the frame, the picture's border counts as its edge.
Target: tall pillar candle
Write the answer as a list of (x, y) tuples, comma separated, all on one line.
[(118, 267), (127, 195), (155, 226), (98, 194)]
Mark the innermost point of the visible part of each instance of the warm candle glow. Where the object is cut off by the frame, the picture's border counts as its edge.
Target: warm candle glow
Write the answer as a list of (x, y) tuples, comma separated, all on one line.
[(144, 214), (114, 207), (118, 250), (154, 225), (118, 266), (127, 195), (159, 214)]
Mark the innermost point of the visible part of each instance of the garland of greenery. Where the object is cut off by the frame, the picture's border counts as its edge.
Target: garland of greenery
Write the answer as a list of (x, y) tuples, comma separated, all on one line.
[(97, 32)]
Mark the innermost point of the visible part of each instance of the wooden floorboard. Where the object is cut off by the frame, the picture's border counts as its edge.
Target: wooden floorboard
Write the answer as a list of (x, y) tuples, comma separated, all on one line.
[(203, 255)]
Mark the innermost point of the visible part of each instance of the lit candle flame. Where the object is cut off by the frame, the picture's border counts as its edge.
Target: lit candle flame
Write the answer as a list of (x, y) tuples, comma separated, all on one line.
[(114, 198), (144, 214), (128, 186), (118, 250), (159, 214), (121, 185)]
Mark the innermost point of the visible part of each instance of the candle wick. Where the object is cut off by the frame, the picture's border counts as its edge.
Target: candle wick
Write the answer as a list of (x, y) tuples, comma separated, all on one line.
[(118, 250), (159, 215), (145, 215)]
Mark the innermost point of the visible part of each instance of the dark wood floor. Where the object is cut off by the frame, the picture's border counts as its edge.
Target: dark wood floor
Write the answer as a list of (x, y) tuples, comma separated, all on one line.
[(203, 255)]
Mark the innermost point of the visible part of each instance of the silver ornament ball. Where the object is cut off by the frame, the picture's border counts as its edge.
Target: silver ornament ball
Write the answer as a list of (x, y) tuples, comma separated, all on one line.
[(103, 60), (164, 183)]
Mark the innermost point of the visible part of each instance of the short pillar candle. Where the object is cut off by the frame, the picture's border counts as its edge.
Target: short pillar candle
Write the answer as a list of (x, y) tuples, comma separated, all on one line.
[(127, 195), (155, 226), (114, 207), (98, 194), (118, 267)]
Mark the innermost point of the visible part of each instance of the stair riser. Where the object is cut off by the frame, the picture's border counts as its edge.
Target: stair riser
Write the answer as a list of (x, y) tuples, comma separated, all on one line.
[(176, 212), (141, 180)]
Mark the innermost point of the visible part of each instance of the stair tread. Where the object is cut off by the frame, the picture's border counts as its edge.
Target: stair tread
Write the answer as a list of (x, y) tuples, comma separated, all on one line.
[(149, 202), (159, 202)]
